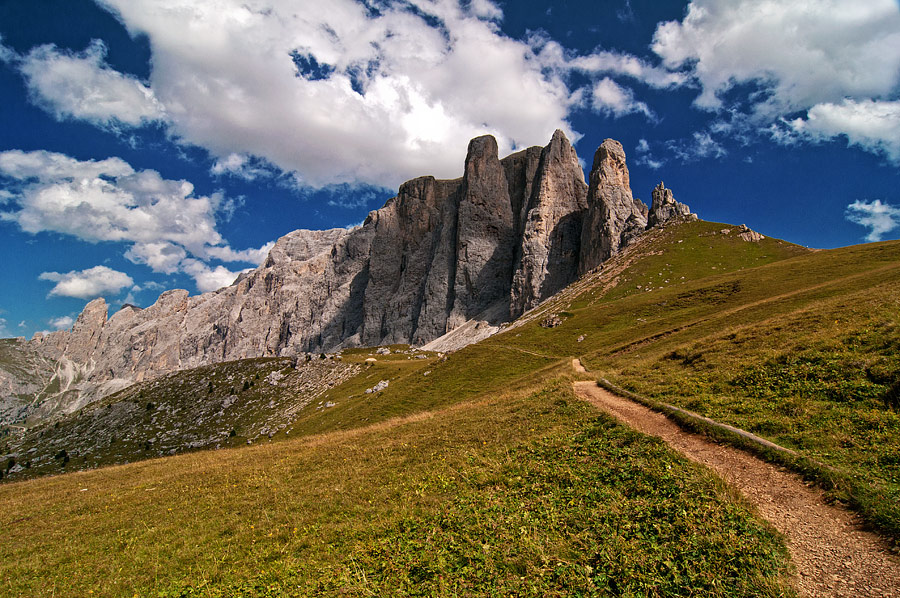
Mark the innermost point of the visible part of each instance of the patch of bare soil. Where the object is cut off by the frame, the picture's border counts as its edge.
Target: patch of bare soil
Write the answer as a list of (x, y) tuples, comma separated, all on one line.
[(833, 553)]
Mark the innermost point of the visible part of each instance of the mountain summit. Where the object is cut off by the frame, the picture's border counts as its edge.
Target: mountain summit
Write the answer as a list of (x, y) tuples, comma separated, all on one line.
[(485, 247)]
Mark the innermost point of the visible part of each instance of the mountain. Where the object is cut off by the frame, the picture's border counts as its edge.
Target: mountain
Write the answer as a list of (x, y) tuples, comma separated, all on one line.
[(481, 469), (482, 248)]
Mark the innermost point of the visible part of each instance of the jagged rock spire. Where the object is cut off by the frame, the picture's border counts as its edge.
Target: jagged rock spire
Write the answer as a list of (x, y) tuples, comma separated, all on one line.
[(503, 237), (547, 257), (613, 215), (665, 208)]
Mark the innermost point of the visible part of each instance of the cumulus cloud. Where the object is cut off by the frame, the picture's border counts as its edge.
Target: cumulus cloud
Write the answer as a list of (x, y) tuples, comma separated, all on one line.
[(83, 86), (45, 166), (836, 61), (160, 256), (880, 218), (162, 220), (107, 201), (4, 333), (611, 98), (869, 124), (87, 284), (62, 323), (335, 92), (343, 91), (803, 53), (207, 278)]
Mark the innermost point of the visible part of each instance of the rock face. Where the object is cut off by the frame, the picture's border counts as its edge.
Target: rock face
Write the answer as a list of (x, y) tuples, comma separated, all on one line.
[(485, 247), (547, 256), (665, 208), (613, 217)]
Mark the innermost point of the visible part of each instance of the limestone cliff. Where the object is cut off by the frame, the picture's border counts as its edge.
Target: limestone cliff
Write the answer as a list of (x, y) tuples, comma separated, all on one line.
[(664, 207), (488, 246)]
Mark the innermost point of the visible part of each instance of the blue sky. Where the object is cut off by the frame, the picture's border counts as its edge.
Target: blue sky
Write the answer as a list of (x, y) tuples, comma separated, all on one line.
[(154, 144)]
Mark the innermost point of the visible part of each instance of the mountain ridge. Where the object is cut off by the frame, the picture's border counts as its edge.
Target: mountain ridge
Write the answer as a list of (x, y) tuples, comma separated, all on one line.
[(484, 247)]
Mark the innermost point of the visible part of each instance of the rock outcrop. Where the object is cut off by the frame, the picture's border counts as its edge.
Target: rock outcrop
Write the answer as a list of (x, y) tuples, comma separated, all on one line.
[(664, 207), (613, 217), (485, 247), (547, 256)]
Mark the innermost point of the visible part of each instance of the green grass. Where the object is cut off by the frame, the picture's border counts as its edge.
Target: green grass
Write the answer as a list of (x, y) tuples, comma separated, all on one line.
[(802, 350), (529, 494), (219, 405), (468, 373), (478, 473)]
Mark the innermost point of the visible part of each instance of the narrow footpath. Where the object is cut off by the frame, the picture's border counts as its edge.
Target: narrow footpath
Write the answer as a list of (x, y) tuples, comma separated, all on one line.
[(833, 553)]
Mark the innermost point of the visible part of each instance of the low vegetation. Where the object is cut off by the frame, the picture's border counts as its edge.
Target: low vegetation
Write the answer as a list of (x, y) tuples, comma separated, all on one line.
[(477, 472), (802, 350), (529, 494)]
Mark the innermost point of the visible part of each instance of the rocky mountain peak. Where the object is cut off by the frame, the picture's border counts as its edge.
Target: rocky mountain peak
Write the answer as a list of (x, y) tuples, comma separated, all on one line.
[(92, 317), (614, 217), (609, 165), (664, 207), (547, 257), (482, 150), (440, 256)]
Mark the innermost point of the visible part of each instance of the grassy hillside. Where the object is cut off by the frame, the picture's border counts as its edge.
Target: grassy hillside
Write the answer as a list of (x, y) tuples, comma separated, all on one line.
[(225, 404), (522, 493), (801, 350), (478, 473)]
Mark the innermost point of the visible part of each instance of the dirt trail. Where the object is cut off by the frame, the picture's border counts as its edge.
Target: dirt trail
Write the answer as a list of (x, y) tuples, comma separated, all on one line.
[(833, 554)]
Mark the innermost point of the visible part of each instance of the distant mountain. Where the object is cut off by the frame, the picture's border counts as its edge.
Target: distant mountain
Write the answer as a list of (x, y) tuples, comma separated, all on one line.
[(442, 254)]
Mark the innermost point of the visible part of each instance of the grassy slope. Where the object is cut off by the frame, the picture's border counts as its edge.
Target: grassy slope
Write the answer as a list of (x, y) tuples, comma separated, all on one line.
[(225, 404), (528, 494), (495, 440), (802, 350)]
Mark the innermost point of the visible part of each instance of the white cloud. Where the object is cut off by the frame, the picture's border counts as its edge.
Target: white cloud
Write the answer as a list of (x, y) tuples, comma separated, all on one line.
[(701, 145), (162, 220), (880, 218), (337, 93), (611, 98), (604, 61), (62, 323), (644, 156), (115, 204), (46, 166), (87, 284), (83, 86), (241, 166), (835, 61), (252, 256), (161, 257), (209, 279), (334, 92), (804, 52), (872, 125), (6, 53), (4, 333)]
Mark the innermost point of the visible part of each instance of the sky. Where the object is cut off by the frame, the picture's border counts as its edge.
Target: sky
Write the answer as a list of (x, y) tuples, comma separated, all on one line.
[(156, 144)]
